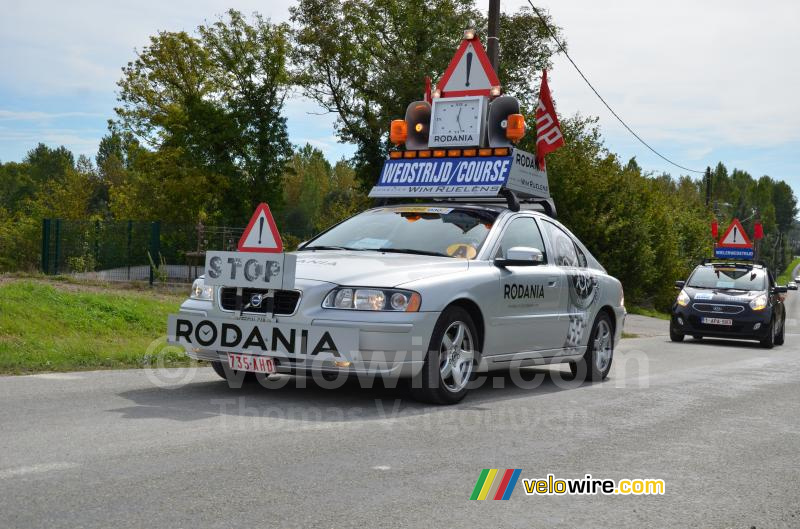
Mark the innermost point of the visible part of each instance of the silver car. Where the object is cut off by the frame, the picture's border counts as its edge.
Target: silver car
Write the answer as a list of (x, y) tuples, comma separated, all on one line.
[(434, 292)]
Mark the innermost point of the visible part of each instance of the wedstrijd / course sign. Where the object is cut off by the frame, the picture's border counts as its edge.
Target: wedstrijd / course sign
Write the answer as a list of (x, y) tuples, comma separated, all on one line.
[(467, 176)]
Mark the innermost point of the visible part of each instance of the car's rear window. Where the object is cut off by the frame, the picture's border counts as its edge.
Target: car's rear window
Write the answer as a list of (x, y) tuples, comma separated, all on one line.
[(728, 278)]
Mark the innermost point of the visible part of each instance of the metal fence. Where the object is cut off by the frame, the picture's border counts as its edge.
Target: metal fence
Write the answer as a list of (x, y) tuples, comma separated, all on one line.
[(131, 250)]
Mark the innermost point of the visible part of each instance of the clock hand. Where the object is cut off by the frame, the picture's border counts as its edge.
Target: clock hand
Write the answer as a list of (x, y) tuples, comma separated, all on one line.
[(458, 120)]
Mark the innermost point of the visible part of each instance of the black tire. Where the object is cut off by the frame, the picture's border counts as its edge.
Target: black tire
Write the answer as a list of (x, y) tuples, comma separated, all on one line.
[(429, 385), (674, 334), (769, 341), (587, 368), (697, 337), (219, 369), (781, 335)]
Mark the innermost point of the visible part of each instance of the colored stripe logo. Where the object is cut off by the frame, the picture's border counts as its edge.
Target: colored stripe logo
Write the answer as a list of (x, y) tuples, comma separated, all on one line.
[(495, 484)]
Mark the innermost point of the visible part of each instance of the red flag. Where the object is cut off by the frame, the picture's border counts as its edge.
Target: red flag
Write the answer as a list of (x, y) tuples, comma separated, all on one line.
[(427, 98), (548, 130), (759, 230), (714, 229)]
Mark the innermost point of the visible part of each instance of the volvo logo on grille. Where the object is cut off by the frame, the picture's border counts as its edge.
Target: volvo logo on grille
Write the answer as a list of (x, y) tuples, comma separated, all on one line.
[(255, 300)]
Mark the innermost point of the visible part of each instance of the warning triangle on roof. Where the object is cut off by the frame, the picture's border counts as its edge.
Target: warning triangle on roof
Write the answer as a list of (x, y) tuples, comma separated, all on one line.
[(469, 73), (261, 235), (735, 236)]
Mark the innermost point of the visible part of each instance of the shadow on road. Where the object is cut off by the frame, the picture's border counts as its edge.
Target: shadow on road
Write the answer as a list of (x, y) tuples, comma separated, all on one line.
[(304, 399)]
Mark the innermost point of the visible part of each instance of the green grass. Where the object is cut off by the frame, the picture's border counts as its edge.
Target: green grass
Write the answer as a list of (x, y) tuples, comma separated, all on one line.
[(645, 311), (53, 326), (787, 276), (629, 335)]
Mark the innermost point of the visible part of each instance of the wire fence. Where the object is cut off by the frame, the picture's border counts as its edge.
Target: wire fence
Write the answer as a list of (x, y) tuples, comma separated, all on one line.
[(131, 250)]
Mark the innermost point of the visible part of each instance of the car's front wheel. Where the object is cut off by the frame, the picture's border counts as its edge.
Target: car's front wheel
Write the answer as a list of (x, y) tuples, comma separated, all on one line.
[(450, 360), (674, 334), (768, 342), (596, 362), (781, 335)]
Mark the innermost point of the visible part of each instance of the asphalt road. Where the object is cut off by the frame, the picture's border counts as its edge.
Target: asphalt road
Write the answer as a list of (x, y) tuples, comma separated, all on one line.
[(718, 421)]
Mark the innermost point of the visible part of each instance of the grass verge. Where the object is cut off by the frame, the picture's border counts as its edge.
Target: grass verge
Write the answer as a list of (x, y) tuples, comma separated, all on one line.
[(787, 276), (57, 326), (645, 311)]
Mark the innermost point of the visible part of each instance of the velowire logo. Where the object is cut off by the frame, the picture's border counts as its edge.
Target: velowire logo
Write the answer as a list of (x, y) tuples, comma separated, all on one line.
[(496, 484)]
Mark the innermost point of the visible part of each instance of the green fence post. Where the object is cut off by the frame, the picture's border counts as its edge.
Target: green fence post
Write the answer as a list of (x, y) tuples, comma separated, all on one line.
[(45, 246), (155, 247), (128, 258), (58, 246)]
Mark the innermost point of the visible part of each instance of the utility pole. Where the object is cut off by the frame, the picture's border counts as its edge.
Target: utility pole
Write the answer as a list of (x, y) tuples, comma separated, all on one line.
[(492, 42), (708, 185)]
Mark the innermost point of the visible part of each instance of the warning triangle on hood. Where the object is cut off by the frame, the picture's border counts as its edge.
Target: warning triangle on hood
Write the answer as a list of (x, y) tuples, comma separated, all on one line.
[(735, 236), (261, 234)]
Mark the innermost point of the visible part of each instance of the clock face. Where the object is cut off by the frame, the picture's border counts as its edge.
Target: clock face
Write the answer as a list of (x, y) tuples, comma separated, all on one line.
[(457, 122)]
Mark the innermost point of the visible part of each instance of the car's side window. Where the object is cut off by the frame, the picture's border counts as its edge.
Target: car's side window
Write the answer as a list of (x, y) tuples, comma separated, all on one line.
[(565, 252), (522, 231)]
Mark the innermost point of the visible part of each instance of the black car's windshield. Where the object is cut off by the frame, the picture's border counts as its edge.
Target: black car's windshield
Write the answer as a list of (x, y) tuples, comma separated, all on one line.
[(728, 278), (422, 230)]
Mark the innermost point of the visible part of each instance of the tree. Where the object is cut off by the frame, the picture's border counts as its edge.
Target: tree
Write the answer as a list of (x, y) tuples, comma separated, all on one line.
[(211, 105), (366, 60)]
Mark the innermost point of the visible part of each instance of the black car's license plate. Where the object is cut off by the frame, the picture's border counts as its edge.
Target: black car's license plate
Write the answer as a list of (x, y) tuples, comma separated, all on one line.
[(717, 321)]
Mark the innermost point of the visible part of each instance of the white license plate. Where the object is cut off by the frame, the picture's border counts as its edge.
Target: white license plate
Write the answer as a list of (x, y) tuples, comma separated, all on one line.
[(252, 363), (717, 321)]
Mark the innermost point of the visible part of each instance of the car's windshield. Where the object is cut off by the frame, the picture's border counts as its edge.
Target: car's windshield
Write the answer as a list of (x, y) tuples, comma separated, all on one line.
[(448, 232), (728, 278)]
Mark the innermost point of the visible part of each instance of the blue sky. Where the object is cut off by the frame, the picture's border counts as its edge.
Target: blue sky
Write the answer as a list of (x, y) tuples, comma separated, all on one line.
[(701, 81)]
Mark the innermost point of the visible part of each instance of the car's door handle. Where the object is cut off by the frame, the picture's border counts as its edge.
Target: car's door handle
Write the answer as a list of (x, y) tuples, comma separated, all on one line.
[(552, 281)]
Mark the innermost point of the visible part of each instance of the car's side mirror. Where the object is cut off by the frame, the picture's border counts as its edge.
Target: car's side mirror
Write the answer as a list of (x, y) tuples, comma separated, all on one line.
[(680, 284), (520, 256), (779, 290)]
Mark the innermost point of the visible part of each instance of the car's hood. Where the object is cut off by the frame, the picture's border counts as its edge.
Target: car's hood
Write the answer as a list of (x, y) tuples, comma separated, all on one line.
[(370, 268), (719, 295)]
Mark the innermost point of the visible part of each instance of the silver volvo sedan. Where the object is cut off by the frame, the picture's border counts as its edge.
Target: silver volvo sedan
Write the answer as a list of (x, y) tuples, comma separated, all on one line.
[(433, 292)]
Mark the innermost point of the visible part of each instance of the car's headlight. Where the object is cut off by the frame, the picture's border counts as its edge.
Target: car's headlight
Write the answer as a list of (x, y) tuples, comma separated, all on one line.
[(202, 291), (683, 299), (372, 299), (759, 303)]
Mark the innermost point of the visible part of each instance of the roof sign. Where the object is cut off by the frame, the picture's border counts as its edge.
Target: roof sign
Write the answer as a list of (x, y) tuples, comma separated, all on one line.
[(261, 234), (469, 73), (735, 236), (462, 177)]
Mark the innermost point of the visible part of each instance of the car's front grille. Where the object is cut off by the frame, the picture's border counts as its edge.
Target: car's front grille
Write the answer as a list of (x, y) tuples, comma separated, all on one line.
[(283, 303), (717, 308)]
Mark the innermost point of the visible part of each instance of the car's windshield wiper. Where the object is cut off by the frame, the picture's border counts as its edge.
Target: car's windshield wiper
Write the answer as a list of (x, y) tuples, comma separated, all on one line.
[(407, 250), (321, 247)]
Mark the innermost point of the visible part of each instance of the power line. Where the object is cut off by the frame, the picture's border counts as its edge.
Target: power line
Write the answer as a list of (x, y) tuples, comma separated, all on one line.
[(564, 51)]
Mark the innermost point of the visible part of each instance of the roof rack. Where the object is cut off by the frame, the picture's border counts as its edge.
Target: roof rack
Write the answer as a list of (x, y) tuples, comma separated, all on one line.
[(513, 201), (721, 260)]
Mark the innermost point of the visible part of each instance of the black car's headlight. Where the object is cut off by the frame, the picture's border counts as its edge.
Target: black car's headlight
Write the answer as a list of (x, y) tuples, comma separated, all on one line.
[(389, 299), (683, 299), (759, 303)]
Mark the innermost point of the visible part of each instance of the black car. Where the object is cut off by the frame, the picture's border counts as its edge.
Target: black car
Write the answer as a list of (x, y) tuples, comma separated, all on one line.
[(729, 300)]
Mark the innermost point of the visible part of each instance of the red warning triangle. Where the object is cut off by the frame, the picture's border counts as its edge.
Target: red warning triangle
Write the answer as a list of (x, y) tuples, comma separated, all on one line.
[(261, 235), (469, 73), (735, 236)]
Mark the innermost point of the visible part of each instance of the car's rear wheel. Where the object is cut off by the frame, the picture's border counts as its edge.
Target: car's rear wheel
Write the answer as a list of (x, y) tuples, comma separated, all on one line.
[(596, 361), (237, 377), (781, 335), (769, 341), (219, 369), (450, 360), (674, 334)]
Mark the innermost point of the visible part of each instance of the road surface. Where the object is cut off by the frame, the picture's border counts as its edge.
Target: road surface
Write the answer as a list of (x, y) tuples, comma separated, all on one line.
[(718, 421)]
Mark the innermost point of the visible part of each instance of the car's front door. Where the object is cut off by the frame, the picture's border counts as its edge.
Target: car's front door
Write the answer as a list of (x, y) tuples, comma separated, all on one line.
[(528, 298)]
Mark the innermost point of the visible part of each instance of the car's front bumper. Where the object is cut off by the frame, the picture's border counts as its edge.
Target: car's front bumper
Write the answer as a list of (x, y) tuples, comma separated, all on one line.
[(747, 325), (389, 344)]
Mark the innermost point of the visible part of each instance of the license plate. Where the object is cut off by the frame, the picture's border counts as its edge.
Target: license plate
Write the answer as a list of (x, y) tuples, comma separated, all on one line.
[(252, 363), (717, 321)]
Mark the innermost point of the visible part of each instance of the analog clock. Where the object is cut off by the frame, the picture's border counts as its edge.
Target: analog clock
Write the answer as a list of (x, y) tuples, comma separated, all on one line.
[(457, 121)]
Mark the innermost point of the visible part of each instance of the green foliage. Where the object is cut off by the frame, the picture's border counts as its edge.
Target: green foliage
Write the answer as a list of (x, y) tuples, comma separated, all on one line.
[(209, 106), (787, 274)]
